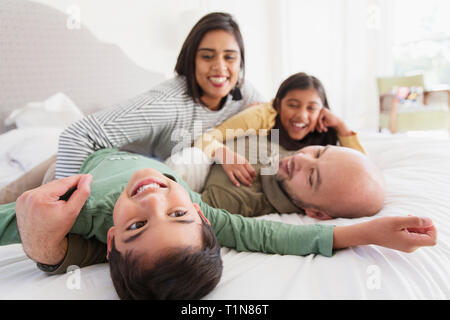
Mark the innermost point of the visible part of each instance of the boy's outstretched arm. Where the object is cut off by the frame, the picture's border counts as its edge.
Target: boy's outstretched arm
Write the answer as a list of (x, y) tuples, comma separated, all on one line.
[(44, 218), (400, 233)]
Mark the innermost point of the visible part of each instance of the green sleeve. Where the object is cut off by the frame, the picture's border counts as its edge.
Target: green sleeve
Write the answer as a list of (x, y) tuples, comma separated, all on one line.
[(249, 234), (9, 233)]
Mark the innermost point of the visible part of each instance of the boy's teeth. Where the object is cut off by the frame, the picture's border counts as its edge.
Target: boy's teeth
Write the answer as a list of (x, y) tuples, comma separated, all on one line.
[(151, 185)]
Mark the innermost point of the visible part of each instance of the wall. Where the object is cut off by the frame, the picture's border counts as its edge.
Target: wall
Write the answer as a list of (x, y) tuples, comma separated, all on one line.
[(327, 38), (151, 32)]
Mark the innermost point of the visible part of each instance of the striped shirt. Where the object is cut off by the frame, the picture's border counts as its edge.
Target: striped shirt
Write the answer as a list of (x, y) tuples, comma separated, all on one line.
[(157, 123)]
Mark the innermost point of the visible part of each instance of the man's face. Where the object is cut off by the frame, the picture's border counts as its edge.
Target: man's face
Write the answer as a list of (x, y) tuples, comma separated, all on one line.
[(328, 179), (153, 214)]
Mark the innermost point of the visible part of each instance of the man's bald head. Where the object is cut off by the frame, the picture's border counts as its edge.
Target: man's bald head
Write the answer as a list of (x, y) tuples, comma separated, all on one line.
[(332, 182)]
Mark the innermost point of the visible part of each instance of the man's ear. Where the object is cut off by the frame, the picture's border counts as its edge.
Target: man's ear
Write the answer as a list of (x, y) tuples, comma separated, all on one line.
[(109, 241), (199, 211), (317, 214)]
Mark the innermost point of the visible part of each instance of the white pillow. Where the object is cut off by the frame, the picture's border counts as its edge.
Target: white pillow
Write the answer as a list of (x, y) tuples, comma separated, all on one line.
[(192, 165), (57, 111)]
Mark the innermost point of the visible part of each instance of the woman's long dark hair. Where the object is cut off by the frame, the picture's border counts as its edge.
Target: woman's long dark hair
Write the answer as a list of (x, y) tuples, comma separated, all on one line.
[(302, 81), (186, 59)]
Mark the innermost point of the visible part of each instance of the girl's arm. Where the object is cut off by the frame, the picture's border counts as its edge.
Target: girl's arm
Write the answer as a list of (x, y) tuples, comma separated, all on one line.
[(351, 141), (254, 118), (249, 121), (347, 137)]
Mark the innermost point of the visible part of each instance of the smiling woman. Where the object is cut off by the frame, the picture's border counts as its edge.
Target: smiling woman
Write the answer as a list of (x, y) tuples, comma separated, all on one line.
[(214, 49), (218, 63), (208, 89), (205, 91)]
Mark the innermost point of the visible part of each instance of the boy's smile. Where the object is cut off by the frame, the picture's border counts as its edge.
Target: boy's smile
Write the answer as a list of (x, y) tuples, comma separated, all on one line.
[(154, 214)]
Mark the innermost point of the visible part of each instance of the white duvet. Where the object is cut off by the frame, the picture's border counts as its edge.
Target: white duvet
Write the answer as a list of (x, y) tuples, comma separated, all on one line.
[(417, 172)]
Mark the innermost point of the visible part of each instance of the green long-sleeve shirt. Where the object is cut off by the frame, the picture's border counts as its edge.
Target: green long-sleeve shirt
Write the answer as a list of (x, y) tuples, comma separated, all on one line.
[(111, 170)]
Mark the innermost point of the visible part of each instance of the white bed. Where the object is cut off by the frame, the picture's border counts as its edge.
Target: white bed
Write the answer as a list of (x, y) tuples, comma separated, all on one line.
[(417, 171)]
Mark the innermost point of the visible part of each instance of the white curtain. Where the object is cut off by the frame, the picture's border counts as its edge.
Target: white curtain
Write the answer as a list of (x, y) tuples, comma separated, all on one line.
[(346, 44)]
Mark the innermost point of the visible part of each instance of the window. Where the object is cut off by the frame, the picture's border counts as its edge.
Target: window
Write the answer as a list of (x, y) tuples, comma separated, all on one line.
[(422, 40)]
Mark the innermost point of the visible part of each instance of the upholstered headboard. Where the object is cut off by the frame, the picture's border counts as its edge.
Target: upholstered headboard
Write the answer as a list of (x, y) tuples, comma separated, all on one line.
[(40, 56)]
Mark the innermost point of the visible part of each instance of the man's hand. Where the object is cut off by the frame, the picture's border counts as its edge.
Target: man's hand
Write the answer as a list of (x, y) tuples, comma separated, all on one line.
[(401, 233), (44, 220), (235, 166)]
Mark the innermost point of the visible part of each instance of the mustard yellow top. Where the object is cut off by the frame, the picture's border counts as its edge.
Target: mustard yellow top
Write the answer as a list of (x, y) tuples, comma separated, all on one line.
[(258, 119)]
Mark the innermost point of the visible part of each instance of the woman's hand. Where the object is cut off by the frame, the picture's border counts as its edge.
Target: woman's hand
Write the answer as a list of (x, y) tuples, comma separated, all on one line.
[(327, 120), (400, 233), (235, 166)]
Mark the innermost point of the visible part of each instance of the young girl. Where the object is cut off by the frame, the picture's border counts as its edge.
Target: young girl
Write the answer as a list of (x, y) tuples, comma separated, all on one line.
[(300, 112)]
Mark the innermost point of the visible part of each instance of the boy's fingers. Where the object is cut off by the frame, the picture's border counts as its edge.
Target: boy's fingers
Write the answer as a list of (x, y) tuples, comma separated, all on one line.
[(414, 222), (422, 239)]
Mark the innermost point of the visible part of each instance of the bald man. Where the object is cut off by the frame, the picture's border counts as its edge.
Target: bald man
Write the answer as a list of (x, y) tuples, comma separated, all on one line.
[(323, 182)]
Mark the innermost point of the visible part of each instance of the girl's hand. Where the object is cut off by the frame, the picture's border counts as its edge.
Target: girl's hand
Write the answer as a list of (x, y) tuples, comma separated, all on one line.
[(327, 120), (235, 166)]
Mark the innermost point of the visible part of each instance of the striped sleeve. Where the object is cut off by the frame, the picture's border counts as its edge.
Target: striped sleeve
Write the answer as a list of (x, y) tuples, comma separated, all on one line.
[(139, 118), (150, 118)]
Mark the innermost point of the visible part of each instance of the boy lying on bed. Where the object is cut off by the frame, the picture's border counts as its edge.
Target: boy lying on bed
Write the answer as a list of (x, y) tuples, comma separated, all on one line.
[(162, 241)]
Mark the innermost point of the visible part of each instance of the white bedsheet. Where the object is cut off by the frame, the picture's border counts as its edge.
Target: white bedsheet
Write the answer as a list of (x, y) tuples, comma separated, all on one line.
[(417, 171)]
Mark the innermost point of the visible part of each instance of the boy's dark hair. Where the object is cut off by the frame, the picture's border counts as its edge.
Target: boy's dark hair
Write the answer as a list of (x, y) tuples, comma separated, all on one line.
[(302, 81), (186, 59), (184, 273)]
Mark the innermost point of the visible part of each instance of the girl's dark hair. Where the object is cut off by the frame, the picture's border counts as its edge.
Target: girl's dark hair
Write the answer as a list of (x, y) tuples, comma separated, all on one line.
[(183, 273), (186, 59), (302, 81)]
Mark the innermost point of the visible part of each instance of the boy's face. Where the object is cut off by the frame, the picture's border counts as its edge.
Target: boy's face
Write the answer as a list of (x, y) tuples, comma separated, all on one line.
[(154, 214)]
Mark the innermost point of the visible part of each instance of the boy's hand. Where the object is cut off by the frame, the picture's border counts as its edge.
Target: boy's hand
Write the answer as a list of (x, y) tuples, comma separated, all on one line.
[(43, 220), (235, 166), (402, 233)]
